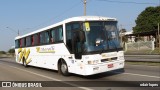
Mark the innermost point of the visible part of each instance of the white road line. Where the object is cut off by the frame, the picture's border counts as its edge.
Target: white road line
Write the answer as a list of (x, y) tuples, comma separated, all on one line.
[(142, 65), (139, 75), (75, 85)]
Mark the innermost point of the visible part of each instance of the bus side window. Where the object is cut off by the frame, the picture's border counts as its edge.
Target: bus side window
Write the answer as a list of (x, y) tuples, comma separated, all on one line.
[(20, 42), (56, 34), (32, 40), (23, 42), (17, 44), (52, 35), (28, 41), (47, 39), (36, 39), (60, 33), (42, 38)]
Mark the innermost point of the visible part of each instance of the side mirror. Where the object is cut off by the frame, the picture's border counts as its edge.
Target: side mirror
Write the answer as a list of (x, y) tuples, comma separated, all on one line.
[(78, 40)]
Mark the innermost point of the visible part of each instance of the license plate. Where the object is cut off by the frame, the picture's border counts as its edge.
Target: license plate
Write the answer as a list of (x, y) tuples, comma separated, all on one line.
[(110, 65)]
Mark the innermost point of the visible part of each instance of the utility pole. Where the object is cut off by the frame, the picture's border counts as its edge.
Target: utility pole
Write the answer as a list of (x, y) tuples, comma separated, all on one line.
[(85, 2), (18, 33), (158, 38)]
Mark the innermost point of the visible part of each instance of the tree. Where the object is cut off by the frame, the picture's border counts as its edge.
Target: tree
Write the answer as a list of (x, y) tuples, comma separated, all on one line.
[(11, 51), (2, 52), (147, 20)]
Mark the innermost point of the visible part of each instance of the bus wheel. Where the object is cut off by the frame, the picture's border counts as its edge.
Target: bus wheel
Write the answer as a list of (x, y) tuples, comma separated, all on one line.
[(63, 68), (24, 62)]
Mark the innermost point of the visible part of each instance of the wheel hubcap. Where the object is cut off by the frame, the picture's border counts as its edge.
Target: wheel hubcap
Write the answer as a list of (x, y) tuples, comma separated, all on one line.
[(63, 68)]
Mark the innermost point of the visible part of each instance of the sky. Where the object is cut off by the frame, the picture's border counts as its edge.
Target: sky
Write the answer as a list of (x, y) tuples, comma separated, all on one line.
[(30, 15)]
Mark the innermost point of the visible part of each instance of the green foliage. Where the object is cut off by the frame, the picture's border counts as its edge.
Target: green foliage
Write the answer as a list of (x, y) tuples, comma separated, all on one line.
[(11, 51), (2, 52), (147, 20)]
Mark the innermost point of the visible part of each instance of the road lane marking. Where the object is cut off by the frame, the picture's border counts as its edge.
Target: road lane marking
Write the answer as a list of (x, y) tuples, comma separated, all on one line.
[(75, 85), (143, 65), (85, 88), (139, 75)]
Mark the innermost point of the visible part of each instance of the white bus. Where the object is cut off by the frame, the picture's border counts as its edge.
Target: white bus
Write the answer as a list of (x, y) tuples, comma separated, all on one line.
[(84, 45)]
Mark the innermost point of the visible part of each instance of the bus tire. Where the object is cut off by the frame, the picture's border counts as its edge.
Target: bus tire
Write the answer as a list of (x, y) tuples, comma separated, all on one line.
[(63, 68), (24, 62)]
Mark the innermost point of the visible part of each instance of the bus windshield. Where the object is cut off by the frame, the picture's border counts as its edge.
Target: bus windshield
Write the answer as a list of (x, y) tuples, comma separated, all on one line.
[(101, 36)]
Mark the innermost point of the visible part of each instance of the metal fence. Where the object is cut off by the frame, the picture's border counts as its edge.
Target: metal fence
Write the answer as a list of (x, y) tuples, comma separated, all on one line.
[(140, 45)]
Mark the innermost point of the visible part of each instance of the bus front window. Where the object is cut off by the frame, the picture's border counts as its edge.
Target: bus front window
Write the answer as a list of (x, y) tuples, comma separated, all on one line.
[(101, 36), (112, 35), (95, 36)]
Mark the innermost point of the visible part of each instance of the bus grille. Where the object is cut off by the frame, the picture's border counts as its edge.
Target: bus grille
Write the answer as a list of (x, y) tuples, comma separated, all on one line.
[(109, 59)]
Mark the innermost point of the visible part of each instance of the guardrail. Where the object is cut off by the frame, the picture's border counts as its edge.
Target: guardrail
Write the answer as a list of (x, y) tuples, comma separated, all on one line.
[(140, 45)]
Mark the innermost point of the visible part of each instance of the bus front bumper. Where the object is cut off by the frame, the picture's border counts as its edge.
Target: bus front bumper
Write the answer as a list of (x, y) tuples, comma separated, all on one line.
[(103, 67)]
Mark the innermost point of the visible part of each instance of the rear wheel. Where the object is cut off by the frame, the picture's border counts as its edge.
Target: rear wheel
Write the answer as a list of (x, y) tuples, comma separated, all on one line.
[(63, 68)]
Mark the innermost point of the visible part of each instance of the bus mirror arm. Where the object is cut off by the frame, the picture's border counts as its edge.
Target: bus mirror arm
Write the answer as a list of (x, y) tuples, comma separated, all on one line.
[(82, 36)]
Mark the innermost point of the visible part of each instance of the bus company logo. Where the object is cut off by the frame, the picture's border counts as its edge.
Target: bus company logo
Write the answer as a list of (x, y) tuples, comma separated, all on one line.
[(23, 55), (38, 48), (45, 49)]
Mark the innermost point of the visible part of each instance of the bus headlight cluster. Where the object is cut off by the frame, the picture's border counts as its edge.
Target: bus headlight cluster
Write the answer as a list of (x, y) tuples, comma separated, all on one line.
[(93, 62)]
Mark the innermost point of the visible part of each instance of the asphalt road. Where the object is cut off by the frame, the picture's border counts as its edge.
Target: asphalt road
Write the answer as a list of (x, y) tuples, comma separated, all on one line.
[(143, 58), (133, 75)]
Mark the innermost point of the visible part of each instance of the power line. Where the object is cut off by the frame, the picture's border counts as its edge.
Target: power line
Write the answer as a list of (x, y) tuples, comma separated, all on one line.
[(115, 1), (58, 16), (17, 32)]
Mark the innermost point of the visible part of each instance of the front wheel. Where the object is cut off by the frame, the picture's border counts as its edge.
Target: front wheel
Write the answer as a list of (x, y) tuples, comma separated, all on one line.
[(63, 68)]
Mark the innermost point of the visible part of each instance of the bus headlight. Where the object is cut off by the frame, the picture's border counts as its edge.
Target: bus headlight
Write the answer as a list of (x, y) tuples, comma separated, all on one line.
[(93, 62)]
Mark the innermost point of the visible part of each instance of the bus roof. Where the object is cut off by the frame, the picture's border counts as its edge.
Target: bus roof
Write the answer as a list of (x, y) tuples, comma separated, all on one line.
[(80, 18)]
